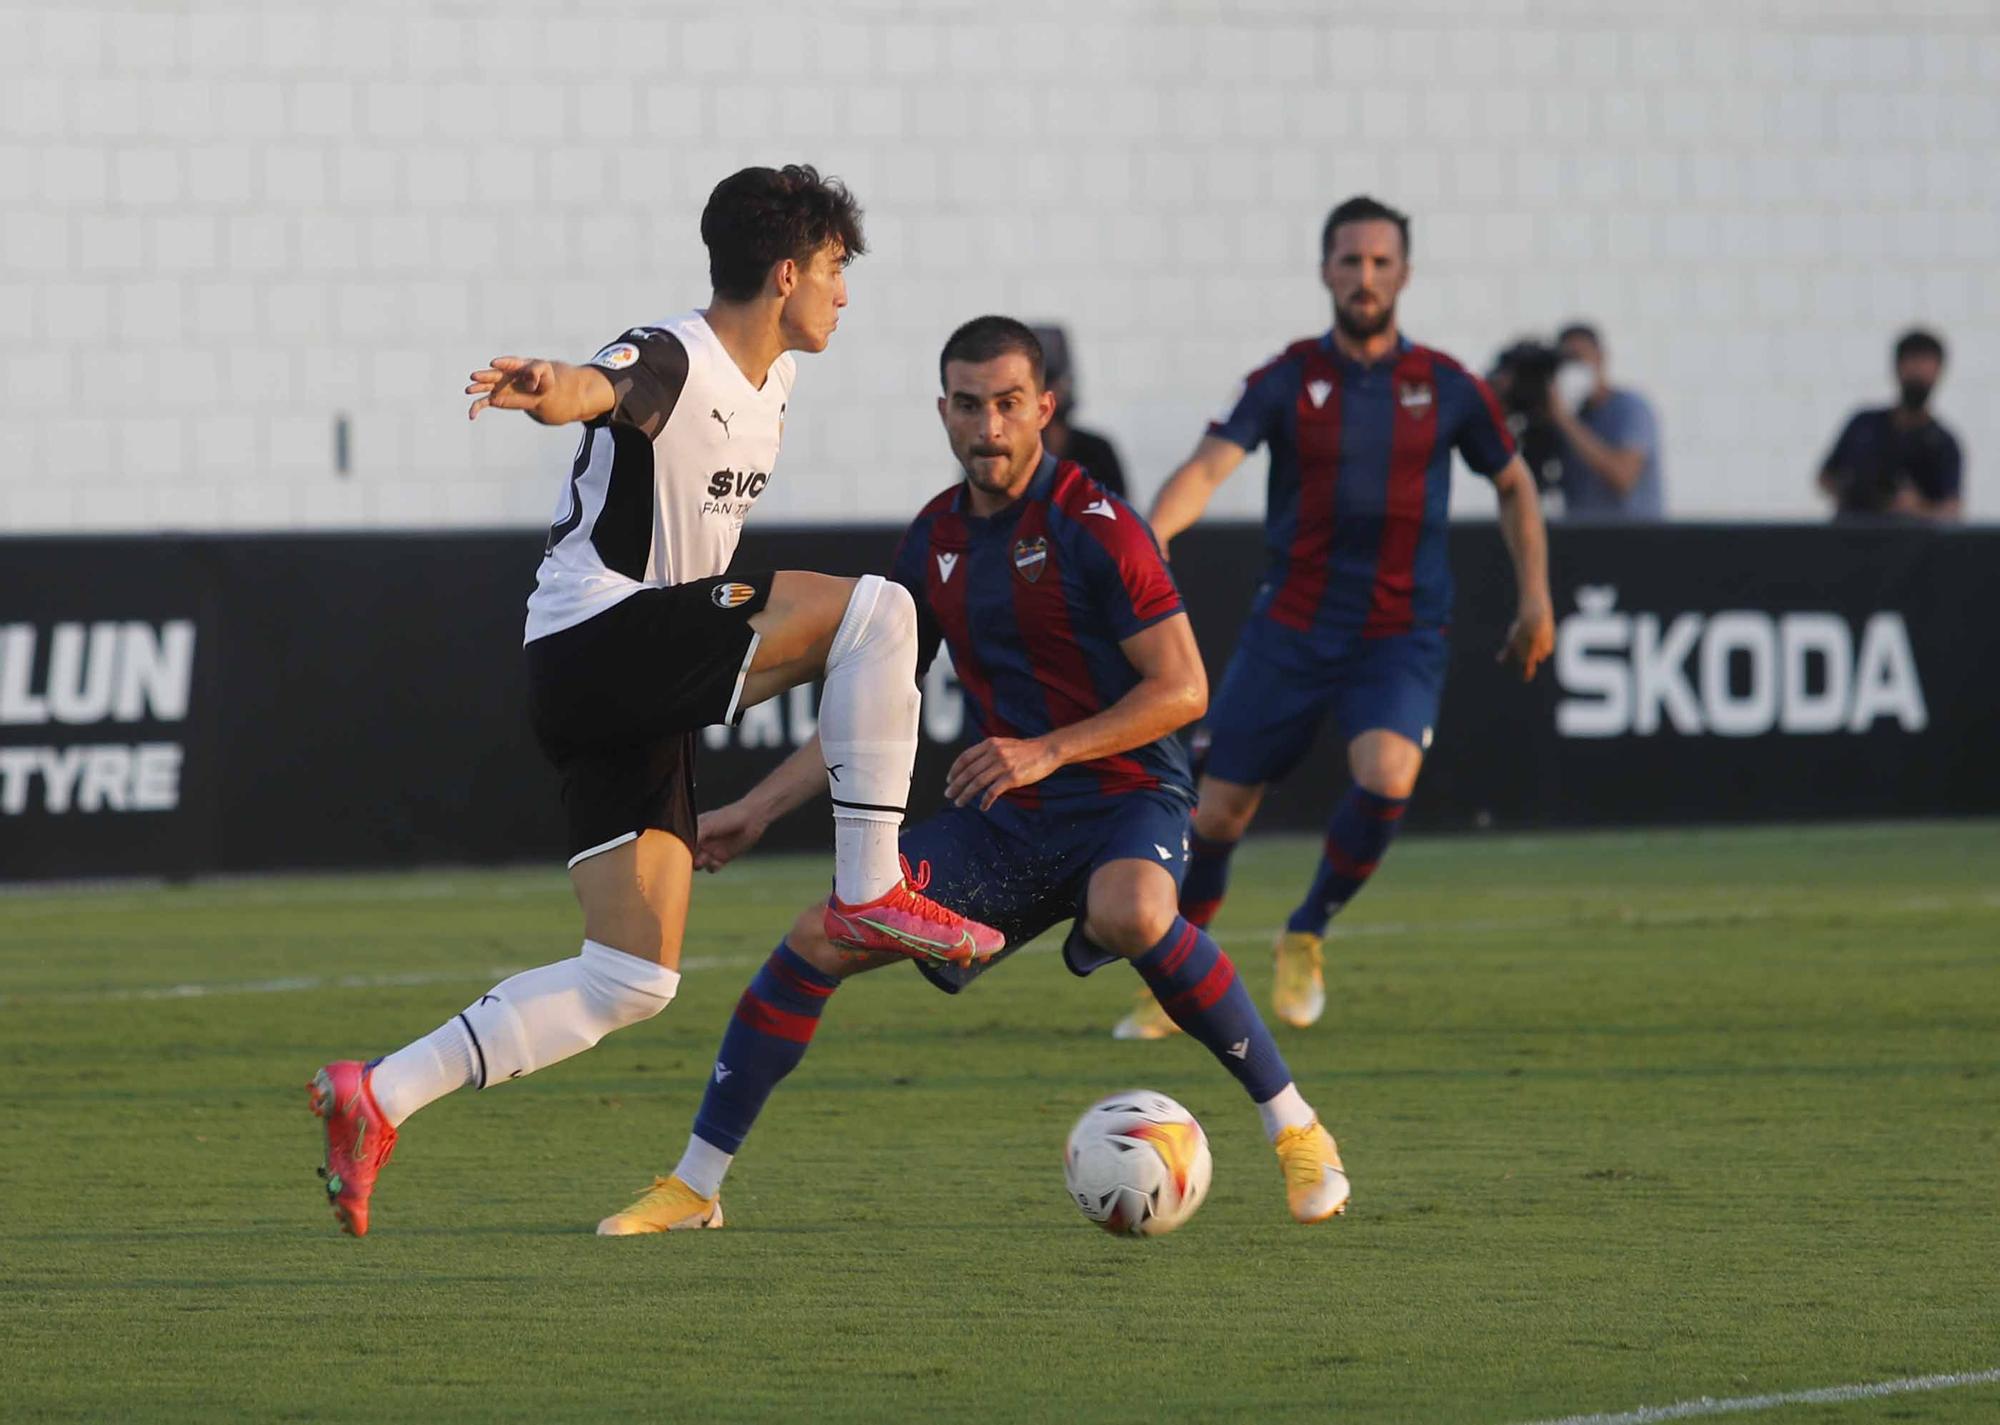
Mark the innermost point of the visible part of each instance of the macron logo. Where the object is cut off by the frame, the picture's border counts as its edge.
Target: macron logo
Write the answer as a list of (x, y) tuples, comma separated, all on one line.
[(946, 563), (1241, 1049), (723, 1071), (1319, 391), (1101, 507), (1165, 855)]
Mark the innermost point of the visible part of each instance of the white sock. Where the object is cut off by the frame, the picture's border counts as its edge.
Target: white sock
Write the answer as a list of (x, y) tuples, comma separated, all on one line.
[(868, 732), (1284, 1109), (527, 1022), (703, 1166), (860, 850), (439, 1063)]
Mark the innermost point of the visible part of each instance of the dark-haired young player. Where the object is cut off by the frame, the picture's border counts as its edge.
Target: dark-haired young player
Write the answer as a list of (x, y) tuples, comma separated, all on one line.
[(1078, 665), (1351, 616), (636, 639)]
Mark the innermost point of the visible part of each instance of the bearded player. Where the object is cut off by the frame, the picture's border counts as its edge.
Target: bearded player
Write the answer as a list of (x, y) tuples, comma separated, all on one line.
[(1078, 667), (636, 639), (1350, 620)]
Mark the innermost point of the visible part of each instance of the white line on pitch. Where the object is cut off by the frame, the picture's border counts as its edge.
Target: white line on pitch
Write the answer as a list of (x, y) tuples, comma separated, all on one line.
[(294, 984), (1437, 929), (1827, 1395)]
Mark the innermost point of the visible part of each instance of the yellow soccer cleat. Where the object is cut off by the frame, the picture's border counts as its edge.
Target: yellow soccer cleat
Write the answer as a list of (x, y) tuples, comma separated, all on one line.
[(1146, 1021), (1298, 992), (1316, 1185), (669, 1205)]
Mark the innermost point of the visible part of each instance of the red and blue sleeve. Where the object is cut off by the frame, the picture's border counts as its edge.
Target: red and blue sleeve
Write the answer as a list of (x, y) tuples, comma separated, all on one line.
[(1125, 576), (907, 569), (1483, 439), (1254, 414)]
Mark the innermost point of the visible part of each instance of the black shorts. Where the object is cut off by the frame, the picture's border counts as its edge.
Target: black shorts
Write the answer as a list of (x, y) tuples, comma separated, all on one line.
[(618, 700)]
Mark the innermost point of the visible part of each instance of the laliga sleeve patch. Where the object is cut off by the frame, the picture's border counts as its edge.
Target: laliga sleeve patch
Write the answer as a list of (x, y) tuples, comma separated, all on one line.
[(616, 357)]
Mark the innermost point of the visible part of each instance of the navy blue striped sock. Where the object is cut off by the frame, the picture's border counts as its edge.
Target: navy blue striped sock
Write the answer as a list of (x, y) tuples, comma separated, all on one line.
[(1360, 830), (1198, 987), (773, 1024)]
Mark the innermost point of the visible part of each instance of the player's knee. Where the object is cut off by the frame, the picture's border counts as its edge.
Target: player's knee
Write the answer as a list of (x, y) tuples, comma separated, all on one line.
[(807, 938), (1223, 820), (1394, 777), (879, 611), (622, 989), (1130, 928), (895, 610), (808, 933)]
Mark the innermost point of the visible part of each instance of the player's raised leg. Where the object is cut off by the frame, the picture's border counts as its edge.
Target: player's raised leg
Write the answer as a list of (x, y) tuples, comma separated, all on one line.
[(634, 898), (863, 634), (766, 1039), (1131, 912)]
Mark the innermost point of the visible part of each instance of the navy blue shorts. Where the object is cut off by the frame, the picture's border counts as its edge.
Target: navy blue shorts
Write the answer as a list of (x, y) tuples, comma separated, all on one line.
[(1024, 871), (1281, 684)]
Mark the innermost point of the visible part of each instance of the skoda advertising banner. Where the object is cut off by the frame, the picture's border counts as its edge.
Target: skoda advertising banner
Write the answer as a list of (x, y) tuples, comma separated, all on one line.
[(177, 705)]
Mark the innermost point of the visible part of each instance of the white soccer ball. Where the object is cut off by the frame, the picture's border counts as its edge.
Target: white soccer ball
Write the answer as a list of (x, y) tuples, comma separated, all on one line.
[(1137, 1163)]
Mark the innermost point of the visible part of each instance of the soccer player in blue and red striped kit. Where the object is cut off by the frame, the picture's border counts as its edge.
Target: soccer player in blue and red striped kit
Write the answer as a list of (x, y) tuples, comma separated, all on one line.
[(1361, 424), (1078, 666)]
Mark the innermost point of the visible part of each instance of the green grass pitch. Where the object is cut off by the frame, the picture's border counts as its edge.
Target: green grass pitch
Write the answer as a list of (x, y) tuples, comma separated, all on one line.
[(1632, 1118)]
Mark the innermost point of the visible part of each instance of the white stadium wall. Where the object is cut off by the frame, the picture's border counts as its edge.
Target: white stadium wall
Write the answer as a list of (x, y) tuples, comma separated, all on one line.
[(224, 226)]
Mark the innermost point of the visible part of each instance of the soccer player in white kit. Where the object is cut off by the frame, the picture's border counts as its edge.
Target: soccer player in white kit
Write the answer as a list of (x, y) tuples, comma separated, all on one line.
[(637, 638)]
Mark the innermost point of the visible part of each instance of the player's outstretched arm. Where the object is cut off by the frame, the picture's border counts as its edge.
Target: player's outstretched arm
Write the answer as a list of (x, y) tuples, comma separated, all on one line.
[(729, 831), (1189, 489), (1531, 638), (552, 392), (1172, 692)]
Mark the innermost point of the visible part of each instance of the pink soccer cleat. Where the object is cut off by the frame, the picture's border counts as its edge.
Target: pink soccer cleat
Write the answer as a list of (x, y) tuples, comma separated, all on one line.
[(359, 1140), (904, 922)]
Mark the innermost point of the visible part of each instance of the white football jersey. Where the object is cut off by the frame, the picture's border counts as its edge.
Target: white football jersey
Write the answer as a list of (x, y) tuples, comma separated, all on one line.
[(659, 488)]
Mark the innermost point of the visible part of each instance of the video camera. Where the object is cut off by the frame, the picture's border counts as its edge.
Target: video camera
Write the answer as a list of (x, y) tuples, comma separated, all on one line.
[(1523, 378)]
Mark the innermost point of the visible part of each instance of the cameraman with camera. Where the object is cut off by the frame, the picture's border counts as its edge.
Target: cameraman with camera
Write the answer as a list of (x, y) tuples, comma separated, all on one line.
[(1609, 460)]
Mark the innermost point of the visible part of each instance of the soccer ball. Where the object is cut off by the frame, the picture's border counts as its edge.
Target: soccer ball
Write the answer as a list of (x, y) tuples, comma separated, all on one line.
[(1137, 1164)]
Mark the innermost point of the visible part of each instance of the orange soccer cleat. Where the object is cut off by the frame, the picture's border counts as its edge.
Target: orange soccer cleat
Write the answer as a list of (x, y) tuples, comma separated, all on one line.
[(359, 1140), (905, 922)]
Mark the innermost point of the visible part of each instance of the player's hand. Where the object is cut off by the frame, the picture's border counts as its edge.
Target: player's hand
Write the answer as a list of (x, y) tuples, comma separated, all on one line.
[(998, 765), (724, 834), (511, 383), (1531, 638)]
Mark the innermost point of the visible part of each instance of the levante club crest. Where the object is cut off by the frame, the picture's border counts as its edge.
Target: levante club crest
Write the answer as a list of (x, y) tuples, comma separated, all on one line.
[(1416, 397), (1031, 557)]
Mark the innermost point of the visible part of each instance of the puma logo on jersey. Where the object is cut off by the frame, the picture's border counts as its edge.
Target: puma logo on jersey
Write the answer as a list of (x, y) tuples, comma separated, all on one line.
[(722, 420), (1240, 1049), (742, 484), (1101, 507), (1319, 391), (946, 563)]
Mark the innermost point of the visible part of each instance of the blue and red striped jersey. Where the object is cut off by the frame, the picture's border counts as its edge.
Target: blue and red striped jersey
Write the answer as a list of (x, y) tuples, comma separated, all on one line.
[(1033, 603), (1360, 486)]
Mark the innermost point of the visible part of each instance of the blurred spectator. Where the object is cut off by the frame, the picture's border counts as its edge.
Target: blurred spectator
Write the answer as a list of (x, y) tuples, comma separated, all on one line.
[(1610, 439), (1898, 460), (1066, 440)]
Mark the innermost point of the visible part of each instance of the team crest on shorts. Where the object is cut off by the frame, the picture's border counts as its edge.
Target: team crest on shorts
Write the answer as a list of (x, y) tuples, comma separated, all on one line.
[(1416, 397), (732, 596), (1031, 556)]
